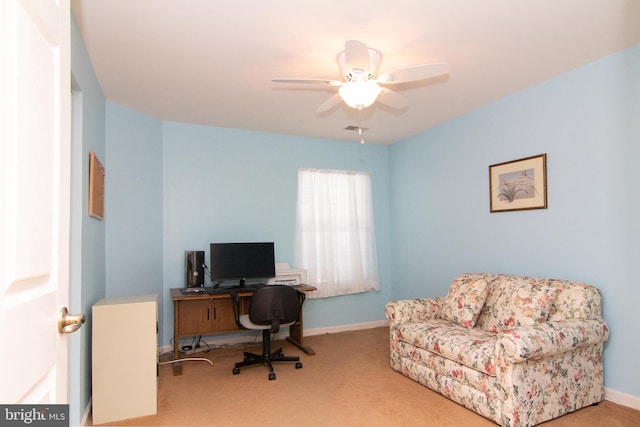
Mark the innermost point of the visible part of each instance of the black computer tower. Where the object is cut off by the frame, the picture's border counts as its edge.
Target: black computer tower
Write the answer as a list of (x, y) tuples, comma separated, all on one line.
[(194, 269)]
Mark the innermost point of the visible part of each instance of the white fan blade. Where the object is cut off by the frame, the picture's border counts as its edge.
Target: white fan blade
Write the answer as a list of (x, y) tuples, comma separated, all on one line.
[(356, 56), (410, 74), (308, 81), (392, 99), (329, 103)]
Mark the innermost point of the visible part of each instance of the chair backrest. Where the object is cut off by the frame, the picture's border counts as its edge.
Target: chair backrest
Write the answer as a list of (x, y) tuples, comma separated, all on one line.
[(274, 305)]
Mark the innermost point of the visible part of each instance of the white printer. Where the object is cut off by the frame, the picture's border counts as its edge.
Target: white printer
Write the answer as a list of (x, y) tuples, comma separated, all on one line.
[(287, 276)]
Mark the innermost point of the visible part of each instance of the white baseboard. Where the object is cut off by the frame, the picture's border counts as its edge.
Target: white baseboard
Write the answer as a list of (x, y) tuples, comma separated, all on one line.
[(345, 328), (245, 337), (621, 398)]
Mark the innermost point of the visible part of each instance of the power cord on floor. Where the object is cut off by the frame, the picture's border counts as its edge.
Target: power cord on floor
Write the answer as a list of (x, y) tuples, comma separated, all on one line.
[(188, 359)]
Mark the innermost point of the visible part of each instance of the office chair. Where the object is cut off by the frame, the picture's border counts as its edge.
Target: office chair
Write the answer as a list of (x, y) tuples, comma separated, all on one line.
[(270, 308)]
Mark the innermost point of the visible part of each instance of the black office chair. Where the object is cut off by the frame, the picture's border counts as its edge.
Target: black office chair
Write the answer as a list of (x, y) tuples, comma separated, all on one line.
[(270, 308)]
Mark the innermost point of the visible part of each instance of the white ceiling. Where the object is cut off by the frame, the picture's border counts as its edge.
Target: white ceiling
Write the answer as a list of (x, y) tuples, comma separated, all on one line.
[(211, 61)]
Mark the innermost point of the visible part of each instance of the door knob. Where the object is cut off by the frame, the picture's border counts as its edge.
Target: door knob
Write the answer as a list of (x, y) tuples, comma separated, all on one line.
[(69, 323)]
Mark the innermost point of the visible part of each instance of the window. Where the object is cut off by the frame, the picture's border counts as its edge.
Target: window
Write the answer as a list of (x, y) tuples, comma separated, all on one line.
[(335, 232)]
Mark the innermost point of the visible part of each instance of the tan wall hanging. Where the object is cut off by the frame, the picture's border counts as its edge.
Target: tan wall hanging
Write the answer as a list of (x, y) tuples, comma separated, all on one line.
[(96, 187)]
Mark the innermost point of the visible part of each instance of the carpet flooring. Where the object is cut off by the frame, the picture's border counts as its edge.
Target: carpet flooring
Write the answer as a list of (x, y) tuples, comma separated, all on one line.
[(347, 383)]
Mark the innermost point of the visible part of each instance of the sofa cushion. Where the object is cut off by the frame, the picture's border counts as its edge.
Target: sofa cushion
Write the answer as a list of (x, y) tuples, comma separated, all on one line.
[(516, 301), (474, 348), (417, 362), (465, 299), (575, 300)]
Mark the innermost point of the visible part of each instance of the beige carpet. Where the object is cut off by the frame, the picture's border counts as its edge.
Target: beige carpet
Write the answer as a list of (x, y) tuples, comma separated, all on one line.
[(347, 383)]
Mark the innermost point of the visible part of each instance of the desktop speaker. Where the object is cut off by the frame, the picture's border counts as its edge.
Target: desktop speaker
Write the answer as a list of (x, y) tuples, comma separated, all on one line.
[(194, 268)]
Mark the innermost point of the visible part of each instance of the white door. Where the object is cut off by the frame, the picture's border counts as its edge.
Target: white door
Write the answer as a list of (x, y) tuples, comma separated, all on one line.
[(34, 199)]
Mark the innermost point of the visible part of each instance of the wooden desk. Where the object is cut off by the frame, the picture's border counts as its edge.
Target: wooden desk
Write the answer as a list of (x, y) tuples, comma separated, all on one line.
[(205, 314)]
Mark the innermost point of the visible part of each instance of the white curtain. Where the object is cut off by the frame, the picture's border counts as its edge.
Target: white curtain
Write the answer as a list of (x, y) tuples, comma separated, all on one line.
[(335, 232)]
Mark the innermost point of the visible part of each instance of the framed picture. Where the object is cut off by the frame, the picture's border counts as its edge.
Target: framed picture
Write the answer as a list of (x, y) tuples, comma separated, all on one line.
[(519, 184), (96, 187)]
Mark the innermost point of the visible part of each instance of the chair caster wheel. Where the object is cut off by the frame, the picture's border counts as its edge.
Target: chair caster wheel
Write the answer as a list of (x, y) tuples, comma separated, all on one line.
[(298, 365), (272, 376), (236, 371)]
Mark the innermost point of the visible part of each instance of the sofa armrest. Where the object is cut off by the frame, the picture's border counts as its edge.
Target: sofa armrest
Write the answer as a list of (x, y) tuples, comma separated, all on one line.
[(413, 310), (546, 339)]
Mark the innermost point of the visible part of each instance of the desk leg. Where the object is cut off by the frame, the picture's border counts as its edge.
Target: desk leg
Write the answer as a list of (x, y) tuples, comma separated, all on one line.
[(291, 338), (177, 366), (295, 336)]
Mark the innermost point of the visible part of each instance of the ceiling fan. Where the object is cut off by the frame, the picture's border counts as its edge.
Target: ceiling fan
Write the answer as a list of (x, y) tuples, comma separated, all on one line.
[(361, 88)]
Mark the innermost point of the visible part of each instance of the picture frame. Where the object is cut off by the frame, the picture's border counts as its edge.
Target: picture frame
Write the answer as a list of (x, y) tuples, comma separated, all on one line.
[(96, 187), (518, 184)]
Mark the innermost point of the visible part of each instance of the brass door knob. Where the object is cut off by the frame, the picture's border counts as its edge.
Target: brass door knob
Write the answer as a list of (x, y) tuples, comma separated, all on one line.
[(69, 323)]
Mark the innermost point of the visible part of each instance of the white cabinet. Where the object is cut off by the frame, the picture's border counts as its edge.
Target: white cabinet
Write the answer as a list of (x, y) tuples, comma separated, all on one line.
[(124, 358)]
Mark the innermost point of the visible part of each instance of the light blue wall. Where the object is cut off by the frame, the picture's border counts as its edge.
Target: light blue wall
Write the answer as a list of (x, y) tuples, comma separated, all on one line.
[(133, 204), (87, 252), (231, 185), (588, 123)]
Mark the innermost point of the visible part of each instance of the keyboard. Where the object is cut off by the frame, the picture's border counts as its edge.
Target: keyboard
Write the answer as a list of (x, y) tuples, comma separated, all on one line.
[(193, 291), (219, 290), (244, 288)]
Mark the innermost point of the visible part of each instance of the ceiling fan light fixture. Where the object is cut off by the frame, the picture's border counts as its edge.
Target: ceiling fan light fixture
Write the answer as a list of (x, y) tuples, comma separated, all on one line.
[(359, 93)]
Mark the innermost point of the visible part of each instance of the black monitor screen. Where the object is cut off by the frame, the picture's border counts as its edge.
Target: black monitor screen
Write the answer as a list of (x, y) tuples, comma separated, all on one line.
[(239, 261)]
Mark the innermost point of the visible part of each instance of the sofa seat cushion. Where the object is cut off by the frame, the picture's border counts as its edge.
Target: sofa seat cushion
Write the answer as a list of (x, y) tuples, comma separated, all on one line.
[(474, 348), (437, 373), (516, 301), (465, 299)]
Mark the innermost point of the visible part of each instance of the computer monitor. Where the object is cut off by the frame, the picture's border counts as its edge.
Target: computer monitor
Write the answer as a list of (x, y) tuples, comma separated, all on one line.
[(241, 261)]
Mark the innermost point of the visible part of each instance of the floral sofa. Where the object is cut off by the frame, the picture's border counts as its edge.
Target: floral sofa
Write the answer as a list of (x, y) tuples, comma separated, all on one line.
[(516, 350)]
